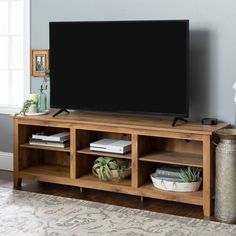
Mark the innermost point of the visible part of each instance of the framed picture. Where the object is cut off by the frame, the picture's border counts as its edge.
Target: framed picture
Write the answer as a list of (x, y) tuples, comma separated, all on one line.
[(40, 62)]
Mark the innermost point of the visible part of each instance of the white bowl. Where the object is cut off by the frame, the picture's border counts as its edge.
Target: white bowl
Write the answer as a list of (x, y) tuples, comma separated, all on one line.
[(174, 186)]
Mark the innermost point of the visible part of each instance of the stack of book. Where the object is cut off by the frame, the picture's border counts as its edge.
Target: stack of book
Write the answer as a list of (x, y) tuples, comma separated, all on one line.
[(51, 139), (169, 174)]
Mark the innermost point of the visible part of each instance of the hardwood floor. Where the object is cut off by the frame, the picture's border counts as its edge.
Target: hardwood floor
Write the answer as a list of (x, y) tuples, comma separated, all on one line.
[(6, 181)]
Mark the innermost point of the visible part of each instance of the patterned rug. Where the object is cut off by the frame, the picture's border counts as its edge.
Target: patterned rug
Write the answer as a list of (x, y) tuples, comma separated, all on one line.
[(33, 214)]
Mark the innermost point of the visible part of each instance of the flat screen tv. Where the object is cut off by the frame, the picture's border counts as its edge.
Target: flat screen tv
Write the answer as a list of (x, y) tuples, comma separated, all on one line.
[(120, 66)]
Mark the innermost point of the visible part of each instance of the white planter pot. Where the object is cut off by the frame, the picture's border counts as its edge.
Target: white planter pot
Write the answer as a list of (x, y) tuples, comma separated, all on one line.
[(175, 186)]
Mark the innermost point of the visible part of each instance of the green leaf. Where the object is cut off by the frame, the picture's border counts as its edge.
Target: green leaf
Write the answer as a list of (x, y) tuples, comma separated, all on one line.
[(113, 165), (190, 175)]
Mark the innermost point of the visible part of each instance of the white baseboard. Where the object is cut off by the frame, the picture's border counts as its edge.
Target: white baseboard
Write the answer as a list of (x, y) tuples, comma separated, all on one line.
[(6, 161)]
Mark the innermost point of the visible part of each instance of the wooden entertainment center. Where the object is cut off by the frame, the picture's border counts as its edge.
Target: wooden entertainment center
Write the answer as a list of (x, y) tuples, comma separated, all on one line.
[(154, 143)]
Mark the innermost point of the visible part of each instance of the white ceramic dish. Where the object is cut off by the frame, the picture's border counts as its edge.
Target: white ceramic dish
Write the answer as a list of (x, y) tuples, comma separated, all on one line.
[(174, 186), (37, 114)]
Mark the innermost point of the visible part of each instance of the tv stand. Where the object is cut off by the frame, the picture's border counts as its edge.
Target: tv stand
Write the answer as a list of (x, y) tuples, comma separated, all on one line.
[(154, 143), (60, 111), (176, 119)]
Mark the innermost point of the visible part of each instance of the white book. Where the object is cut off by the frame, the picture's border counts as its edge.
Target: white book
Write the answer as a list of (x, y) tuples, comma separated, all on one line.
[(60, 145), (56, 137)]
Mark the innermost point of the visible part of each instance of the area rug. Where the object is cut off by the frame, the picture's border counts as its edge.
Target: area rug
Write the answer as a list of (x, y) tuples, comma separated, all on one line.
[(33, 214)]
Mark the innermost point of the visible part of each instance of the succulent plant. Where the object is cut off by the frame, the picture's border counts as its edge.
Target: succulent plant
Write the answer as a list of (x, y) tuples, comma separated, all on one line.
[(103, 167), (190, 174), (122, 167)]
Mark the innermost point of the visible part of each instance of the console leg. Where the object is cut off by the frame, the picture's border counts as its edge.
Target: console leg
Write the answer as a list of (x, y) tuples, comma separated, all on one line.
[(17, 183), (81, 190), (141, 199)]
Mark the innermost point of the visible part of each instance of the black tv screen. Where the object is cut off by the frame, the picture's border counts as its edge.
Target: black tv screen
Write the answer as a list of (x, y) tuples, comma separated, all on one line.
[(120, 66)]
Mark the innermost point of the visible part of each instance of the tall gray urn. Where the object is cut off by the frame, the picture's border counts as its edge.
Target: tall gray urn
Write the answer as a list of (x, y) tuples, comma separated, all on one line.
[(225, 186)]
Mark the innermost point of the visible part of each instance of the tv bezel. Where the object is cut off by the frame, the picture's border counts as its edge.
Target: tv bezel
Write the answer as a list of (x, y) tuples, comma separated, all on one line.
[(110, 111)]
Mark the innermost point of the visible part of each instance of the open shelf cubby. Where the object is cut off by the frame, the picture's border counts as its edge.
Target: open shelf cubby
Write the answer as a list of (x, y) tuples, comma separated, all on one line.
[(93, 179), (44, 163), (171, 151), (148, 190), (41, 161), (154, 143), (85, 137)]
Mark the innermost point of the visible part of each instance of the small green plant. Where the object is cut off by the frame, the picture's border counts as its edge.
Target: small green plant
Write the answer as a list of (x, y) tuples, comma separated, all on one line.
[(190, 174), (104, 166), (25, 107), (46, 77), (122, 167), (47, 73)]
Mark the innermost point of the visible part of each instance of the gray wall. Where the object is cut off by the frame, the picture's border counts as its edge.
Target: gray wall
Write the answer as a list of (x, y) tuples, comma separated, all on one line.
[(5, 133), (212, 43)]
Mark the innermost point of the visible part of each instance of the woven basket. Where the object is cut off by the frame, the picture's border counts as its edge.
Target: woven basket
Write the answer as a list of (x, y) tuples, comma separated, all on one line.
[(115, 174), (174, 186)]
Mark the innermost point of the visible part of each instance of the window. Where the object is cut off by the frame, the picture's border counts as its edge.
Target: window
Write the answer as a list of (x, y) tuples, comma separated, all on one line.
[(14, 54)]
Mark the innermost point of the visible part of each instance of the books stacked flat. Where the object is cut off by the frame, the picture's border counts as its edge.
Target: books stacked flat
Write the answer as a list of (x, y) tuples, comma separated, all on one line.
[(168, 174), (51, 139)]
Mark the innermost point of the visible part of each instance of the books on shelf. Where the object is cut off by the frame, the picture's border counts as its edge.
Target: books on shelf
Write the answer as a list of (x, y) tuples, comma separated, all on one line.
[(40, 142), (52, 136), (168, 171), (51, 139)]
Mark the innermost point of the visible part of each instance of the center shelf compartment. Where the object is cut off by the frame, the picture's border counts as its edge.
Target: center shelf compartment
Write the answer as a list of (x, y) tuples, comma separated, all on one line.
[(85, 137), (85, 157), (85, 163), (91, 181), (90, 178)]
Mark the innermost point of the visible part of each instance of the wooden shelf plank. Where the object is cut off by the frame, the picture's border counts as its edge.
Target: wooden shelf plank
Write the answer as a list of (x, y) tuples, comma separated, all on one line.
[(148, 190), (27, 145), (105, 154), (47, 171), (92, 181), (175, 158)]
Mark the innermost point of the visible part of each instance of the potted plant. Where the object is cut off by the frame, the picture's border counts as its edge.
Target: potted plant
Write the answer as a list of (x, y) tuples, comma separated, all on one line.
[(107, 168), (188, 180), (190, 175), (26, 106), (122, 171)]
